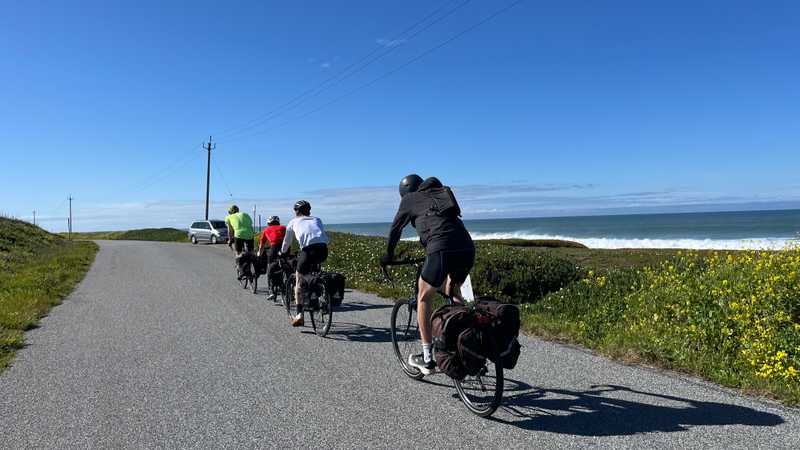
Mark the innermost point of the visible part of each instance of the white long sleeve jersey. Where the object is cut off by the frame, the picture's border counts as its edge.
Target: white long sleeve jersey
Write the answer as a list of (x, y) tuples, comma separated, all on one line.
[(307, 229)]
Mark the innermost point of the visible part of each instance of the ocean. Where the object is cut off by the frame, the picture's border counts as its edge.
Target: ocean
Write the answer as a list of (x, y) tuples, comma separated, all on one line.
[(712, 230)]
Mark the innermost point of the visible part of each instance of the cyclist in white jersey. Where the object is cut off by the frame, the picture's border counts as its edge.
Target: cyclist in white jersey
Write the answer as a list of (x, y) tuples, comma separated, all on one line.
[(310, 234)]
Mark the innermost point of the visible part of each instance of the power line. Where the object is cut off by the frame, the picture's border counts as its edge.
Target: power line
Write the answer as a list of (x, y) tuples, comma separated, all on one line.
[(393, 71), (224, 181), (350, 70), (162, 173)]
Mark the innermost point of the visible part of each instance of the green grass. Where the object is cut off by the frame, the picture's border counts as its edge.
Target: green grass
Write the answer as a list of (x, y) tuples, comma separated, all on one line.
[(660, 307), (37, 270), (732, 317), (145, 234)]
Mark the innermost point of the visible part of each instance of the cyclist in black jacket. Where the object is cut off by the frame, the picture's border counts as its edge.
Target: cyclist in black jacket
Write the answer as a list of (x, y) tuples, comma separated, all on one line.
[(450, 253)]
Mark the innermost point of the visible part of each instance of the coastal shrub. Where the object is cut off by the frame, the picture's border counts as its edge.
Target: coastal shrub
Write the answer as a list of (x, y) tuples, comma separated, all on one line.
[(589, 310), (732, 317), (512, 274), (519, 276)]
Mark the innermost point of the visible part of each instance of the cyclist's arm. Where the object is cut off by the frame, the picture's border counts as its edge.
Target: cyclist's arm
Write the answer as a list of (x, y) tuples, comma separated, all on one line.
[(402, 219), (287, 240), (230, 229)]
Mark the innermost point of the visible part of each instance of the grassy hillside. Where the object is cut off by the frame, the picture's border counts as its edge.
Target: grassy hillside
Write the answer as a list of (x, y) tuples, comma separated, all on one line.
[(145, 234), (37, 270)]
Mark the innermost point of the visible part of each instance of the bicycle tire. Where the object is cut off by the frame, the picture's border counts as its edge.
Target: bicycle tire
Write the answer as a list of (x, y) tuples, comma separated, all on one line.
[(288, 296), (322, 316), (476, 397), (405, 335), (242, 280)]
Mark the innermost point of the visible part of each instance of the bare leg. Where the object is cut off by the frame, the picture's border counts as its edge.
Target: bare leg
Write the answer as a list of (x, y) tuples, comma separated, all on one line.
[(297, 279), (426, 292), (453, 290)]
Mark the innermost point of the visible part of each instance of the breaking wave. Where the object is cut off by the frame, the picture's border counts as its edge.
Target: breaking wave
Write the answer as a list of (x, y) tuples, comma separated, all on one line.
[(682, 243)]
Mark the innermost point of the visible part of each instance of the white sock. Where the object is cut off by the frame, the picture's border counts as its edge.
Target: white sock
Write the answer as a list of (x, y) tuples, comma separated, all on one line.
[(426, 353)]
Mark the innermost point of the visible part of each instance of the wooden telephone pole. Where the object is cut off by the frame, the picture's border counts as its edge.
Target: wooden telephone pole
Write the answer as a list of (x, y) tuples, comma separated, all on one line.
[(209, 147)]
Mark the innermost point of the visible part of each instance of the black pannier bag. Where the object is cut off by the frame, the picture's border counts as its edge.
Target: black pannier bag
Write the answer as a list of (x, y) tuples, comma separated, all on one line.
[(260, 264), (448, 322), (310, 291), (473, 346), (244, 261), (334, 283), (505, 330)]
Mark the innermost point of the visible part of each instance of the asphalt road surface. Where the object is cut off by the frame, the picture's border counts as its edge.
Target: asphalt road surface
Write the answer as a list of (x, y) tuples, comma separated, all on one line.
[(160, 348)]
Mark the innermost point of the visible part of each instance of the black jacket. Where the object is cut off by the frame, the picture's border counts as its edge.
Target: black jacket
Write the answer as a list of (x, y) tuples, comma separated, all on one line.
[(436, 232)]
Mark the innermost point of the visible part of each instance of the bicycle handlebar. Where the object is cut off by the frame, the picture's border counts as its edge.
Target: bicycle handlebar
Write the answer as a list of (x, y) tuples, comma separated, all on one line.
[(399, 262)]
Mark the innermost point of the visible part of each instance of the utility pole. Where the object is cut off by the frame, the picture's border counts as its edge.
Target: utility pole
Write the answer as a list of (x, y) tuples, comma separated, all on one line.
[(69, 223), (34, 217), (254, 216), (209, 147), (259, 221)]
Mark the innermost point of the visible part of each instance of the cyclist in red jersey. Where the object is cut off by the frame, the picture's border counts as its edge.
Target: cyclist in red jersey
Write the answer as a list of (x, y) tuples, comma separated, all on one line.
[(274, 234)]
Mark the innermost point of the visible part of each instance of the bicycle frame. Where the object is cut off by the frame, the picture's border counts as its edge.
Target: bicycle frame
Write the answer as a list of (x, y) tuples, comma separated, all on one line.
[(418, 263)]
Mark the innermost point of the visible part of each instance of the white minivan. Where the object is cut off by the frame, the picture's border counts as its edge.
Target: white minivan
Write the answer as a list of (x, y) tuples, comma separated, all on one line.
[(211, 231)]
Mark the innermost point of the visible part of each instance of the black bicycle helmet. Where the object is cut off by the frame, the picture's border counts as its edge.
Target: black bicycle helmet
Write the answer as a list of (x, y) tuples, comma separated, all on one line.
[(274, 220), (410, 184), (303, 207)]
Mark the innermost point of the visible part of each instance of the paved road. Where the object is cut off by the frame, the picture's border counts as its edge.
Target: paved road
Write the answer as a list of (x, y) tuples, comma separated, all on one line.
[(160, 348)]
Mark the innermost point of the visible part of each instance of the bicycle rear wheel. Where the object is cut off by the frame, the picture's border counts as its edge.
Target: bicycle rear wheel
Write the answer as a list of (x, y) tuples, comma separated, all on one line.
[(321, 317), (483, 393), (241, 278), (288, 296), (275, 290), (405, 335)]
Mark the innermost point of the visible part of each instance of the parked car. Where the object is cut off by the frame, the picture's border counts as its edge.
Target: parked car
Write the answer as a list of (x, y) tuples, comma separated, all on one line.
[(211, 231)]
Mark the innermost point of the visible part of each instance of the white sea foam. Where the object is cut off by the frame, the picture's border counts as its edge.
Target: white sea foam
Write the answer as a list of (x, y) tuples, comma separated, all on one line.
[(598, 242)]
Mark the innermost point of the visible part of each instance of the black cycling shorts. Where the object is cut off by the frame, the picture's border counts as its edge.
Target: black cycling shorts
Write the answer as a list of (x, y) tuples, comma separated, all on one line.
[(239, 244), (439, 265), (311, 257)]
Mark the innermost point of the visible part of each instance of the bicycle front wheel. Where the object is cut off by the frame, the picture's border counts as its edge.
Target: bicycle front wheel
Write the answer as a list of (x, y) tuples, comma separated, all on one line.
[(483, 393), (405, 335), (321, 318)]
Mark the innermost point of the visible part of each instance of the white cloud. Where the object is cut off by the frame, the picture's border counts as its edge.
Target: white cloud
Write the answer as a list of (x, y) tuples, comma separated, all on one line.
[(390, 42), (379, 203)]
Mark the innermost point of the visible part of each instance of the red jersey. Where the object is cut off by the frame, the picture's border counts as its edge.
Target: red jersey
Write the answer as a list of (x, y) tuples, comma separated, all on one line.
[(274, 234)]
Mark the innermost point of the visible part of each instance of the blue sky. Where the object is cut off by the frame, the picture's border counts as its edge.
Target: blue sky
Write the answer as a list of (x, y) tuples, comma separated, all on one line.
[(550, 108)]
